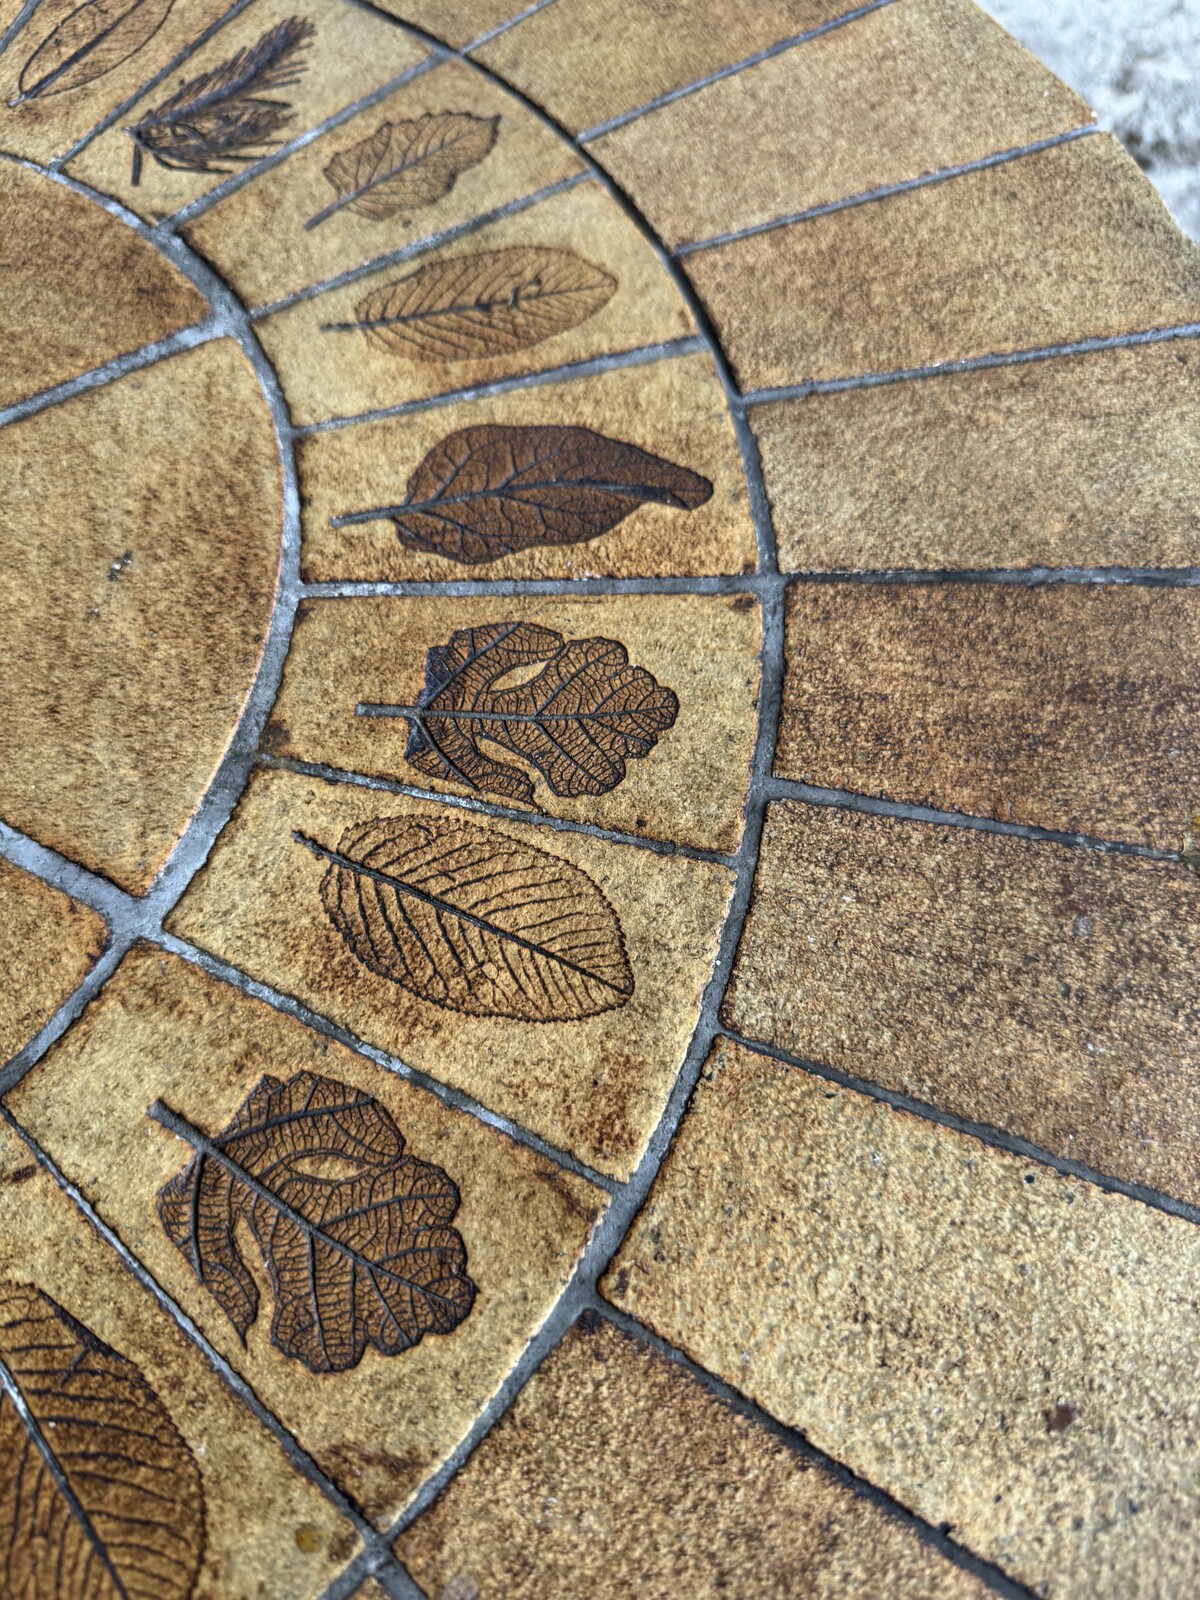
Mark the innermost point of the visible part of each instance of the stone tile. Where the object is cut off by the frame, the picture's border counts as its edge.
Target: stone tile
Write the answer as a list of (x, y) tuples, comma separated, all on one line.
[(933, 83), (164, 1030), (48, 945), (594, 1083), (347, 54), (329, 367), (982, 469), (56, 249), (230, 1491), (140, 545), (1069, 707), (617, 1473), (1069, 243), (674, 409), (457, 22), (1005, 1350), (1033, 987), (594, 59), (265, 238), (688, 786)]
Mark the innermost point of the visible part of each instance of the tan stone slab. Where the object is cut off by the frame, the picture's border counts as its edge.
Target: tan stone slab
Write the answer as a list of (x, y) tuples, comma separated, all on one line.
[(595, 1084), (141, 544), (1069, 243), (80, 288), (984, 469), (1069, 707), (618, 1473), (1033, 987), (164, 1030), (266, 1531), (348, 53), (48, 945), (674, 409), (932, 83), (265, 239), (457, 22), (1005, 1350), (329, 367), (689, 786), (594, 59)]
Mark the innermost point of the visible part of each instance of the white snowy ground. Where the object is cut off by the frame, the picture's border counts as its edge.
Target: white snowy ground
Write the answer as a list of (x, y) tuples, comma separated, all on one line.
[(1137, 63)]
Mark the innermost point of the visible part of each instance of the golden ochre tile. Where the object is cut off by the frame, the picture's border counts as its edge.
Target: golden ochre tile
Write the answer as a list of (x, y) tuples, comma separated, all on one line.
[(1029, 986), (560, 985), (180, 139), (1006, 1351), (141, 545), (636, 713), (616, 1473), (376, 1415), (179, 1490), (567, 279), (442, 149), (457, 22), (671, 410), (48, 945)]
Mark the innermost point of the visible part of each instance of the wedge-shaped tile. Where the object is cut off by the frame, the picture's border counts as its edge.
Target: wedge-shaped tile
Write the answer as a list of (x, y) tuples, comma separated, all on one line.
[(1071, 462), (1071, 707), (1004, 1350), (554, 976), (48, 945), (335, 1133), (567, 279), (442, 149), (458, 22), (1068, 243), (958, 88), (644, 1474), (80, 288), (278, 69), (141, 545), (635, 713), (1033, 987), (672, 411), (142, 1473)]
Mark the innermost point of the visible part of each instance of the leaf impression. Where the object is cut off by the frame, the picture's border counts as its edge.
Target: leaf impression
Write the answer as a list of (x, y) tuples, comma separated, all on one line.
[(406, 164), (487, 304), (475, 921), (91, 40), (577, 722), (491, 491), (225, 115), (100, 1496), (354, 1234)]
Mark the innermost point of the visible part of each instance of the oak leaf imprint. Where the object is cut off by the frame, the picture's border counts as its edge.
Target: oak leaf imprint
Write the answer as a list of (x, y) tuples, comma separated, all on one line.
[(89, 41), (100, 1496), (409, 163), (355, 1235), (475, 921)]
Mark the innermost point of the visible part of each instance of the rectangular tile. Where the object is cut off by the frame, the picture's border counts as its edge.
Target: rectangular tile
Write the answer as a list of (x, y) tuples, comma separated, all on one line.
[(48, 945), (1008, 1352), (1033, 987)]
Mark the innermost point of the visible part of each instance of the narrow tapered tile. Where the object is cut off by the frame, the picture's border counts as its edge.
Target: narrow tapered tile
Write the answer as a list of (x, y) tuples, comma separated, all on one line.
[(48, 945)]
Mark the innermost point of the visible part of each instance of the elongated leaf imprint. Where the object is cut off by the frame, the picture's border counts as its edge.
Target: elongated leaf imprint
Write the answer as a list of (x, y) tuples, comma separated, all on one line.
[(474, 920), (88, 42), (577, 721), (487, 304), (406, 164), (224, 116), (100, 1497), (355, 1235)]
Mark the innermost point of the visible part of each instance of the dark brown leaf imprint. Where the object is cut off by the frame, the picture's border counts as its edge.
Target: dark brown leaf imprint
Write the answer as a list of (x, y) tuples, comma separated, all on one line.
[(406, 164), (487, 304), (224, 115), (577, 721), (474, 921), (100, 1497), (355, 1235), (88, 42), (490, 491)]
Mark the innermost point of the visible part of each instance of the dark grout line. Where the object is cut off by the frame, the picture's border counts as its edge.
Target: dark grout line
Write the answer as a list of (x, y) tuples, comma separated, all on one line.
[(461, 588), (1017, 577), (503, 27)]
